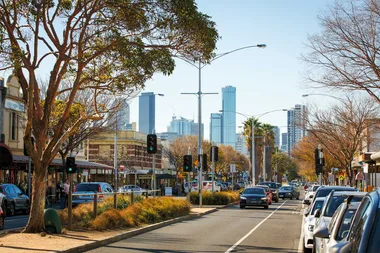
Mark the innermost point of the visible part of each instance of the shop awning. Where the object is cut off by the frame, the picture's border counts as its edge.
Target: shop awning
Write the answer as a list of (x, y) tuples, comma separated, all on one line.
[(6, 157), (20, 159)]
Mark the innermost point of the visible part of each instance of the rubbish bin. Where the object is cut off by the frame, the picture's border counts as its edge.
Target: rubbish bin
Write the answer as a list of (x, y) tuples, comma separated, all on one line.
[(52, 221)]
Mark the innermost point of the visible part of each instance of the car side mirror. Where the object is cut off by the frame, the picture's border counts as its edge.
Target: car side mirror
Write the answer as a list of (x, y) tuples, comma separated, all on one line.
[(306, 212), (317, 213), (322, 233)]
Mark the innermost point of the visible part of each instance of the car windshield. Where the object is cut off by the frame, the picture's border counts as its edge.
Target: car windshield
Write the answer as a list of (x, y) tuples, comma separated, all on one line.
[(87, 188), (271, 185), (335, 202), (315, 187), (286, 188), (317, 205), (345, 224), (254, 191)]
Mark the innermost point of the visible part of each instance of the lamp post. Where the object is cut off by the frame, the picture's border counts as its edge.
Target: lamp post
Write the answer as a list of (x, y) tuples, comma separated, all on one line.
[(199, 94), (253, 151), (325, 95)]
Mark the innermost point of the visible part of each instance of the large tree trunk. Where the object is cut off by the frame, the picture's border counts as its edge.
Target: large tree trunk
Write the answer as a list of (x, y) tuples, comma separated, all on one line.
[(36, 218)]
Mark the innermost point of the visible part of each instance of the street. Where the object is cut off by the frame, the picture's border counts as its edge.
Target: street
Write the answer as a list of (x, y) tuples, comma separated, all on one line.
[(17, 221), (254, 229)]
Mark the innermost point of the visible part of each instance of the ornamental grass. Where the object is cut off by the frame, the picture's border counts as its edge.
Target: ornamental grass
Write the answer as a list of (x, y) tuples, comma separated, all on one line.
[(218, 198)]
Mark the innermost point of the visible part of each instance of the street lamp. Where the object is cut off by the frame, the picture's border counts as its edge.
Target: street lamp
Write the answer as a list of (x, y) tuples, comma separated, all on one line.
[(253, 136), (321, 94), (199, 94)]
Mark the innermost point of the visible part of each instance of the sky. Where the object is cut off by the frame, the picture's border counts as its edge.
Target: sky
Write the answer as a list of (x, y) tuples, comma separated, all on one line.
[(265, 79)]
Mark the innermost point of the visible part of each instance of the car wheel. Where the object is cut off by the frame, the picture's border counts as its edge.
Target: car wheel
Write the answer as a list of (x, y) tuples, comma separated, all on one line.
[(1, 222), (242, 207), (11, 209), (266, 207)]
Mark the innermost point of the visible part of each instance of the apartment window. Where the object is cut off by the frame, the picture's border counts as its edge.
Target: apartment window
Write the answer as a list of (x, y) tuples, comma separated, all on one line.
[(13, 125)]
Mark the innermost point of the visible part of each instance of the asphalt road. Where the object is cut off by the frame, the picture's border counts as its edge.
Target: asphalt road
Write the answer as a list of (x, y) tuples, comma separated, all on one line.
[(17, 221), (276, 229)]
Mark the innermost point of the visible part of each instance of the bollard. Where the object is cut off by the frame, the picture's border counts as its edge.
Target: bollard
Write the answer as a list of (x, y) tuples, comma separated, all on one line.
[(132, 197), (95, 204)]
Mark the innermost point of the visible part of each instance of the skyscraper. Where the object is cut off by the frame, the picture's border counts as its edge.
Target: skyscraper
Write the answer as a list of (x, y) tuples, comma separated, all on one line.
[(183, 126), (229, 116), (276, 131), (147, 112), (296, 126), (284, 142), (123, 116), (216, 128)]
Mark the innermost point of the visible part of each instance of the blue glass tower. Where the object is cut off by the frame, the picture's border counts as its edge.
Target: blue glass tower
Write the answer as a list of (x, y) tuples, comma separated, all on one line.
[(216, 128), (229, 116), (147, 112)]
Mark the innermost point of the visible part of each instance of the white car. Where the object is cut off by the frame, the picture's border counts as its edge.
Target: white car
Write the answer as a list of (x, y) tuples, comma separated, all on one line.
[(310, 193), (207, 186), (309, 223), (132, 188)]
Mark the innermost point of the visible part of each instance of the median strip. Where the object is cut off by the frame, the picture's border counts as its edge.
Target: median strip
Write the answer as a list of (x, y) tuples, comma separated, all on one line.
[(253, 230)]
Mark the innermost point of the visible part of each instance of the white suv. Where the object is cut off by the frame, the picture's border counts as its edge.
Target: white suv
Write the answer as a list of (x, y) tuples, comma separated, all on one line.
[(309, 195)]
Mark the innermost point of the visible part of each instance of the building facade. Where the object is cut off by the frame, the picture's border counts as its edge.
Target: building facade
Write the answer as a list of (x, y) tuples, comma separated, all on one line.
[(296, 126), (241, 144), (229, 116), (284, 142), (216, 128), (181, 126), (276, 131), (123, 117), (147, 112)]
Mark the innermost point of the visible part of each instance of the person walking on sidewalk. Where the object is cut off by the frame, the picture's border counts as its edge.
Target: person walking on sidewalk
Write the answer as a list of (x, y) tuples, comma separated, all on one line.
[(65, 194)]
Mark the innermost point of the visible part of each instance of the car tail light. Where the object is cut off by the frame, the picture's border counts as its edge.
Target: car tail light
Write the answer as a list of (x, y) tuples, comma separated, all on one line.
[(100, 190)]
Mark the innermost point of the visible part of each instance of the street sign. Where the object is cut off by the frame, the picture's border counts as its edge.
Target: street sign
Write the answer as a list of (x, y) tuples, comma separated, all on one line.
[(121, 167)]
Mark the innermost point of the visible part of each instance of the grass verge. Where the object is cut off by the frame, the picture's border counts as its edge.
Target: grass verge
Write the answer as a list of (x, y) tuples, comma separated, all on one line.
[(218, 198)]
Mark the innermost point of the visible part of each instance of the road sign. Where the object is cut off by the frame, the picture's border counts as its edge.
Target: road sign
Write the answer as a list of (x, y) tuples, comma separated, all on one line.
[(121, 167), (196, 163)]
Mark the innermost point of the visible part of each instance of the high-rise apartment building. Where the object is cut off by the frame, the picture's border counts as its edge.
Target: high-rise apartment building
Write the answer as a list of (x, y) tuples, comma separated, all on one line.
[(276, 131), (296, 126), (147, 112), (241, 144), (216, 128), (183, 126), (229, 116), (284, 142)]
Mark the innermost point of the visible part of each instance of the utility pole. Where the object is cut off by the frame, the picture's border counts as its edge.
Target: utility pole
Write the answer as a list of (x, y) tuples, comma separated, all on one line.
[(188, 178), (213, 167)]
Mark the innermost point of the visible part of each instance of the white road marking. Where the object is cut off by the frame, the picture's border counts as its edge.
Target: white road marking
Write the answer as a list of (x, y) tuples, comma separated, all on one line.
[(300, 244), (253, 230)]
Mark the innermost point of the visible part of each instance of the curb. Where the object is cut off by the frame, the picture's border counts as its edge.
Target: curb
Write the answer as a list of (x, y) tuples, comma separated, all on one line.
[(132, 233), (229, 205)]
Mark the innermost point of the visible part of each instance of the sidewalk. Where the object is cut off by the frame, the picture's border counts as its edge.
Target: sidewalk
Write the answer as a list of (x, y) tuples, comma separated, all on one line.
[(73, 241)]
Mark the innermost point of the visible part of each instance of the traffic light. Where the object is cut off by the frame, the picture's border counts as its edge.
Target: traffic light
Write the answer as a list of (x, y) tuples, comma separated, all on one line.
[(151, 143), (215, 153), (187, 163), (204, 161), (70, 165), (26, 150), (318, 164)]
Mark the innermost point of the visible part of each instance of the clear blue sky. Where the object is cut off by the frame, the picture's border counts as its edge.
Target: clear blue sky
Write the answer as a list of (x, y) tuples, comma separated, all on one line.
[(265, 79)]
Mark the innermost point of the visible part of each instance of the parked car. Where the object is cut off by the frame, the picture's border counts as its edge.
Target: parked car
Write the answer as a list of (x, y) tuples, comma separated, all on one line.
[(132, 188), (2, 218), (364, 232), (13, 200), (90, 188), (309, 194), (309, 223), (339, 225), (273, 187), (288, 192), (278, 185), (254, 196), (207, 186), (324, 190), (193, 186), (267, 192), (323, 217)]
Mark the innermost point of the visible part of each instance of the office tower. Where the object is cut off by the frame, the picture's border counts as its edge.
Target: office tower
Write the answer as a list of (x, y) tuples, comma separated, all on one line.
[(123, 116), (147, 112), (296, 126), (284, 142), (229, 116), (195, 129), (183, 126), (241, 144), (216, 128), (276, 131)]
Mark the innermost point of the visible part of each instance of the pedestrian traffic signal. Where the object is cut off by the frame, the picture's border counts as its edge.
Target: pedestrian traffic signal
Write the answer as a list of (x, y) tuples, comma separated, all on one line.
[(215, 153), (151, 144), (71, 167), (187, 163), (204, 162)]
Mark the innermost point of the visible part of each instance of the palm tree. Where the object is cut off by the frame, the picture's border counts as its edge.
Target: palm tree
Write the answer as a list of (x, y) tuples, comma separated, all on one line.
[(247, 132)]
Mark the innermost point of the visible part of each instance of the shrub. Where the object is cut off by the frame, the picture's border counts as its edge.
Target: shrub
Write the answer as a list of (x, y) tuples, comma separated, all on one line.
[(218, 198), (107, 220)]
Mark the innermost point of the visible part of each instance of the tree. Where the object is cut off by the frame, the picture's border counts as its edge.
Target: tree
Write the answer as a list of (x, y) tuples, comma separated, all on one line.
[(104, 47), (344, 128), (284, 165), (344, 55)]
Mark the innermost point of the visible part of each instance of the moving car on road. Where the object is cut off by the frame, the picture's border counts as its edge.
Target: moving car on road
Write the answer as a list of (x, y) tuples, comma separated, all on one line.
[(273, 188), (288, 192), (13, 200), (267, 192), (254, 196)]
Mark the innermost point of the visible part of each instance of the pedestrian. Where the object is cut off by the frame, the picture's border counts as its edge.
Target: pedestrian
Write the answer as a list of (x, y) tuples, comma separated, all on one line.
[(65, 195)]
